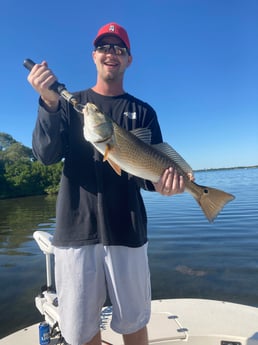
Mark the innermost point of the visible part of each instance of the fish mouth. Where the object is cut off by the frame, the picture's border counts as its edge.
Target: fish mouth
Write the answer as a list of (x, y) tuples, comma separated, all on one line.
[(90, 109)]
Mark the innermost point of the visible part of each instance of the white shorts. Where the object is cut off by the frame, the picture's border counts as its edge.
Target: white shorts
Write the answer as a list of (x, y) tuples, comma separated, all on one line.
[(84, 275)]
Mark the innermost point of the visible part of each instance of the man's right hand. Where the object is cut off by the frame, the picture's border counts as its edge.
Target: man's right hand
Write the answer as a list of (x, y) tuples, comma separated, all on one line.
[(41, 78)]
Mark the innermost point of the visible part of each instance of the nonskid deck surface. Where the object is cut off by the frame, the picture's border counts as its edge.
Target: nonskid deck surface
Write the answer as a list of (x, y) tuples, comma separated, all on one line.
[(177, 321)]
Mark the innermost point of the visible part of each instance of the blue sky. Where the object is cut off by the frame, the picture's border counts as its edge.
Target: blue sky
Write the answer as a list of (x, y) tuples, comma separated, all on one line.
[(195, 62)]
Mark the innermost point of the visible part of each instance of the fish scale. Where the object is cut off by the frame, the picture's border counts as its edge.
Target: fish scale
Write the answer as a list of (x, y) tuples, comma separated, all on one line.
[(128, 149)]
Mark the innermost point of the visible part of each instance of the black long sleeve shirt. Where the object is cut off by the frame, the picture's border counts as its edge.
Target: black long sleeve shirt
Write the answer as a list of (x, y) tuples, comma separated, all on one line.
[(94, 204)]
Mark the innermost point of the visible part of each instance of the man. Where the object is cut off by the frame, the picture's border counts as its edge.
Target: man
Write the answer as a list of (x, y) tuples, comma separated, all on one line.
[(101, 224)]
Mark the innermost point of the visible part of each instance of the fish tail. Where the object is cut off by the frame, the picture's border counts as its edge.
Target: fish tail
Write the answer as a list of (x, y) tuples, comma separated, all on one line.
[(212, 200)]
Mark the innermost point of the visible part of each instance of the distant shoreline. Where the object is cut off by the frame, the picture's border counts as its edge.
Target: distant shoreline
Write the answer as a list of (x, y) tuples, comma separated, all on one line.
[(232, 168)]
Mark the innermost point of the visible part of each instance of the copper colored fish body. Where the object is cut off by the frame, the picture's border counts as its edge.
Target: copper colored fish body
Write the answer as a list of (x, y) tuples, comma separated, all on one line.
[(132, 152)]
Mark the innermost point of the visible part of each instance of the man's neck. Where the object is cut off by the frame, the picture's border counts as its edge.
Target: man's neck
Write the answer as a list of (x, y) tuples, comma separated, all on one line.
[(108, 89)]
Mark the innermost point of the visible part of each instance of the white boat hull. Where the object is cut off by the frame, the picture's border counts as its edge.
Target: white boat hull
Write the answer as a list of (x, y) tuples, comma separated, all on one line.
[(178, 321)]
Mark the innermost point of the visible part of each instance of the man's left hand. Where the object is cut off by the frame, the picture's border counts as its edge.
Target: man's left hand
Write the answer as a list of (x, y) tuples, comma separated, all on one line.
[(170, 183)]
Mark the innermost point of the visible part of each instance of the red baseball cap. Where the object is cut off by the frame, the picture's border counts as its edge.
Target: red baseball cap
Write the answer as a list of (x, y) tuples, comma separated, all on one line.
[(115, 30)]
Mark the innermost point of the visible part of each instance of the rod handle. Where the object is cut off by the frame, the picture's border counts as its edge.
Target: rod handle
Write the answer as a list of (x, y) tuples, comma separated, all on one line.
[(56, 86)]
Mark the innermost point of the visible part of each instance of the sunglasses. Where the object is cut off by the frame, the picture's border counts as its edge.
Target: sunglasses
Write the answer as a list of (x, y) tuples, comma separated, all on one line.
[(106, 48)]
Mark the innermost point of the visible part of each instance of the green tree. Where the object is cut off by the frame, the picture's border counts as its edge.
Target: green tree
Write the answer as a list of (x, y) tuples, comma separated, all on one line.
[(16, 152), (21, 174), (6, 140), (17, 175)]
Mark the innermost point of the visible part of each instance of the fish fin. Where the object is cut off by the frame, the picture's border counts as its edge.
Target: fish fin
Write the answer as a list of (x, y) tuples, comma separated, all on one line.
[(115, 166), (144, 134), (179, 160), (212, 201), (106, 153)]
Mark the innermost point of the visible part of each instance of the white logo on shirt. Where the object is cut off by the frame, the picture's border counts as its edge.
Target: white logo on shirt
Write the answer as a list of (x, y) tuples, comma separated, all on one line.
[(131, 116)]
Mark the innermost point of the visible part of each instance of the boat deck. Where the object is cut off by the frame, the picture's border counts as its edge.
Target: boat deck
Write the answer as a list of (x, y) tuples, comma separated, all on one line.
[(178, 321)]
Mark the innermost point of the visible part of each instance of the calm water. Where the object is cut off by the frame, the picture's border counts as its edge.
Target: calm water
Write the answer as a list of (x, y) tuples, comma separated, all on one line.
[(189, 257)]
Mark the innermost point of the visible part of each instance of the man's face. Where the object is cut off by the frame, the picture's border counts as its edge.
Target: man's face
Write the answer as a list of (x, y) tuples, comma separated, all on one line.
[(110, 66)]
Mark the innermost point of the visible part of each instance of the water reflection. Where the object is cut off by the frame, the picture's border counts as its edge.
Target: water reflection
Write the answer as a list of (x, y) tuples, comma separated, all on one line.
[(19, 218), (22, 267)]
